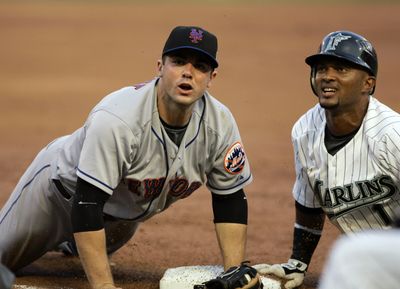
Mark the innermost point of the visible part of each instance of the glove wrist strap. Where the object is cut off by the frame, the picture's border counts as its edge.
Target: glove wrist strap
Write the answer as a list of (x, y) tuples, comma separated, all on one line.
[(298, 264)]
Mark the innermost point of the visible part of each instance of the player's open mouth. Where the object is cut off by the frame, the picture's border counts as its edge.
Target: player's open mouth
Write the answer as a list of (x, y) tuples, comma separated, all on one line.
[(185, 87), (328, 91)]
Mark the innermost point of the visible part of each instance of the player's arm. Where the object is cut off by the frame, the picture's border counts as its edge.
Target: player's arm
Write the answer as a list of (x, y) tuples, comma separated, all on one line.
[(92, 253), (307, 232), (230, 218), (88, 226)]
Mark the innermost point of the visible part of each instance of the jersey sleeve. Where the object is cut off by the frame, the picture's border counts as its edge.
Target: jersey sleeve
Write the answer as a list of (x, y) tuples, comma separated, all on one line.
[(231, 168), (302, 189), (390, 151), (106, 151)]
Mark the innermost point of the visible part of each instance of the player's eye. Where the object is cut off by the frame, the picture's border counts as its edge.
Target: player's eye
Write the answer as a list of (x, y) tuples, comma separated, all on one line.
[(343, 68), (340, 67), (202, 66), (178, 60), (320, 68)]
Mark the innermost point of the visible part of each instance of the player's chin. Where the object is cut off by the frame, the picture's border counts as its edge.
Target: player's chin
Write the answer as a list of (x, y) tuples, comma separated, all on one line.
[(328, 105), (327, 102), (186, 99)]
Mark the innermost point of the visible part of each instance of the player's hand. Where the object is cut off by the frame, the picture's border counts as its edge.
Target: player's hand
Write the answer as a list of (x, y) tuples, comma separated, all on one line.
[(237, 277), (293, 271), (107, 286)]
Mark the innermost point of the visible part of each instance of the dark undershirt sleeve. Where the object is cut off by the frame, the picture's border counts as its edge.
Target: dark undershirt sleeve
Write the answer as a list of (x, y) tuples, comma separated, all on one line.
[(230, 208), (87, 207)]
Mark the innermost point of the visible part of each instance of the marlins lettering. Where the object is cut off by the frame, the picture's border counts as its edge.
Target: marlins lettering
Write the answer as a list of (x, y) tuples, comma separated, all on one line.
[(359, 193)]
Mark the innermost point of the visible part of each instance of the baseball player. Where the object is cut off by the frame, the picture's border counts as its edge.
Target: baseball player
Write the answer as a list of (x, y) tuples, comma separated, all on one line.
[(347, 153), (141, 149)]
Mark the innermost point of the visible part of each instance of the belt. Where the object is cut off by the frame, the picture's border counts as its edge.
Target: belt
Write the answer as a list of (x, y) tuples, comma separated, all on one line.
[(61, 189)]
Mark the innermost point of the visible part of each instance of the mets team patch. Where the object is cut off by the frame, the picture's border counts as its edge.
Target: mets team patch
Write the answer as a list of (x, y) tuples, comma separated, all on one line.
[(235, 159)]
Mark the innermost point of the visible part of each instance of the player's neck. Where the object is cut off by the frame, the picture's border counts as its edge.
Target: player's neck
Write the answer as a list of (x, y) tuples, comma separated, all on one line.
[(343, 124), (344, 120), (174, 115)]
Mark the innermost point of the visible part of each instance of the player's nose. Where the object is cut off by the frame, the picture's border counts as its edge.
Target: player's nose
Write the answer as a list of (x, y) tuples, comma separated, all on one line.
[(187, 70), (329, 73)]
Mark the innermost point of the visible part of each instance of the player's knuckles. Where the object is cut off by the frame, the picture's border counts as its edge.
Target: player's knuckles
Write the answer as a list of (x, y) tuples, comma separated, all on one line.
[(276, 270), (294, 283), (261, 267)]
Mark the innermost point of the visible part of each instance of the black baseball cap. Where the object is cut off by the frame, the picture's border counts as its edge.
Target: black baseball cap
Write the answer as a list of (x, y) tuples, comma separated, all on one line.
[(193, 37)]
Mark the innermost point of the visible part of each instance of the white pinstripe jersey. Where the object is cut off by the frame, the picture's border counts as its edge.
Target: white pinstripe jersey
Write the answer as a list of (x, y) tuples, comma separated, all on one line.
[(124, 150), (358, 187)]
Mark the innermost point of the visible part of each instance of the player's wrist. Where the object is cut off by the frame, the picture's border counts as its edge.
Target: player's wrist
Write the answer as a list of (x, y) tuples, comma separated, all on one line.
[(298, 265), (305, 242)]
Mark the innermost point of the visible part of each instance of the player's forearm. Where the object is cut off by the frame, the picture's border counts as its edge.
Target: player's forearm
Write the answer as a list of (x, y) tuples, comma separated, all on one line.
[(92, 252), (307, 232), (232, 242)]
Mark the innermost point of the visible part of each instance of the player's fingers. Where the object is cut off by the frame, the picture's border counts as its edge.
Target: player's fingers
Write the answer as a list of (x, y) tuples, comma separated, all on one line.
[(275, 269), (261, 267), (294, 283), (252, 282)]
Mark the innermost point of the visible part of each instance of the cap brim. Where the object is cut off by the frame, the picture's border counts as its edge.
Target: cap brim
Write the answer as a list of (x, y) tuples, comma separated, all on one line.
[(311, 60), (212, 59)]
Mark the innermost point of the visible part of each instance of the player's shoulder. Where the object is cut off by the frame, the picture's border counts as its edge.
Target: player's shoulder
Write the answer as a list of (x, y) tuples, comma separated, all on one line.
[(380, 120), (311, 121), (128, 95), (214, 104), (131, 104), (216, 114)]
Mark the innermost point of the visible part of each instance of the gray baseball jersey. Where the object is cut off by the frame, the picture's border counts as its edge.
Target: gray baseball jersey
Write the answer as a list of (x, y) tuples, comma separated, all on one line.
[(124, 150), (358, 187)]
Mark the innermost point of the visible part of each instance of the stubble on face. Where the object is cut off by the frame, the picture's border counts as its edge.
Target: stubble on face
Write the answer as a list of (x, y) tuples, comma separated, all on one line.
[(181, 85), (340, 85)]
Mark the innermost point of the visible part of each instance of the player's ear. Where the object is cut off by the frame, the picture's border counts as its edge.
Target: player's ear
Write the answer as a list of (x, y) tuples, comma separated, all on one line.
[(370, 84), (213, 75), (160, 67)]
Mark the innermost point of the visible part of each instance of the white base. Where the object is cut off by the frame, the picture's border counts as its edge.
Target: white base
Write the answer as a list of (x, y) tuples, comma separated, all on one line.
[(187, 276)]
